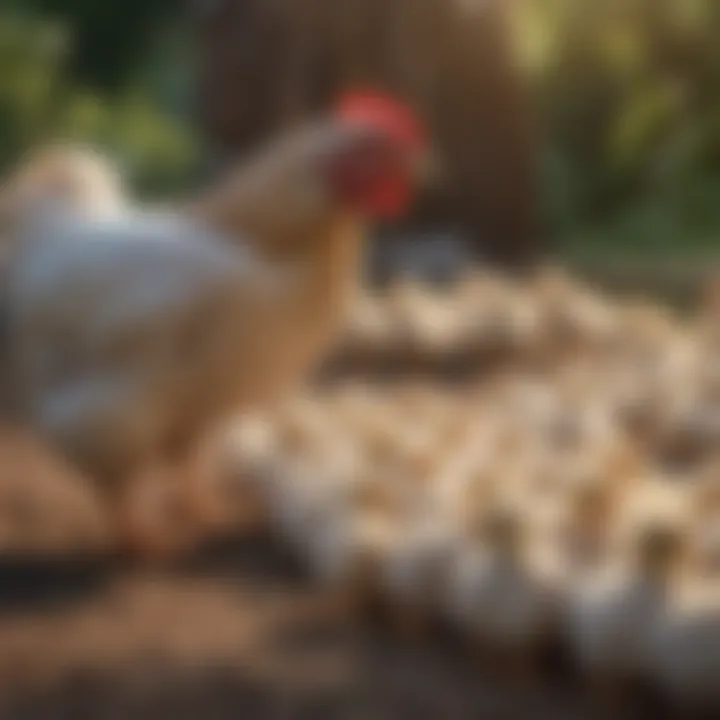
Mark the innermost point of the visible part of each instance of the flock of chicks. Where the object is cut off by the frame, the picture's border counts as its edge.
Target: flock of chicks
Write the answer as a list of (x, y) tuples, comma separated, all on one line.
[(529, 461), (566, 497), (534, 463)]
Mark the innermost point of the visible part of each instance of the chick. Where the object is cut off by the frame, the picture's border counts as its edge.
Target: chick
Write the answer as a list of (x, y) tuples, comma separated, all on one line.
[(299, 497), (612, 620), (345, 549), (584, 524), (246, 469), (705, 494), (414, 568), (687, 652), (301, 429), (705, 511), (496, 595)]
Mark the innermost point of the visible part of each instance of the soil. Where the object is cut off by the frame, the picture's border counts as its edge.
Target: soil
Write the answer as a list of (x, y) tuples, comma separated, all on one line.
[(231, 630)]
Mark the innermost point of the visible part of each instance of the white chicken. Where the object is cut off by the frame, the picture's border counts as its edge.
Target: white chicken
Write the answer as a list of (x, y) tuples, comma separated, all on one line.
[(134, 338)]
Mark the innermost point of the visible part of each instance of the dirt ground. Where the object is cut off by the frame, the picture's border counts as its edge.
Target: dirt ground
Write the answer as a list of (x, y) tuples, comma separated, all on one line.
[(235, 630)]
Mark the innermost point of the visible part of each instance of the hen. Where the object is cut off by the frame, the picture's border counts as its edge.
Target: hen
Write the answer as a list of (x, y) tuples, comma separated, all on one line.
[(134, 337)]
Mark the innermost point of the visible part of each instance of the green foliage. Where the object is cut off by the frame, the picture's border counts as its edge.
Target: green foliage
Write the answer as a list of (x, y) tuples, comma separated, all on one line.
[(112, 40), (40, 102), (630, 113), (627, 92)]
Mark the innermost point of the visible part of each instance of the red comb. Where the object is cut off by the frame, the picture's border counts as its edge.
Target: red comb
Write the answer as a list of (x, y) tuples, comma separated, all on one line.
[(382, 109)]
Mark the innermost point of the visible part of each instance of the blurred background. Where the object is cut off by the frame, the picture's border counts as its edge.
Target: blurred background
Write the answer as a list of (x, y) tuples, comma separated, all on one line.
[(589, 128), (581, 130)]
